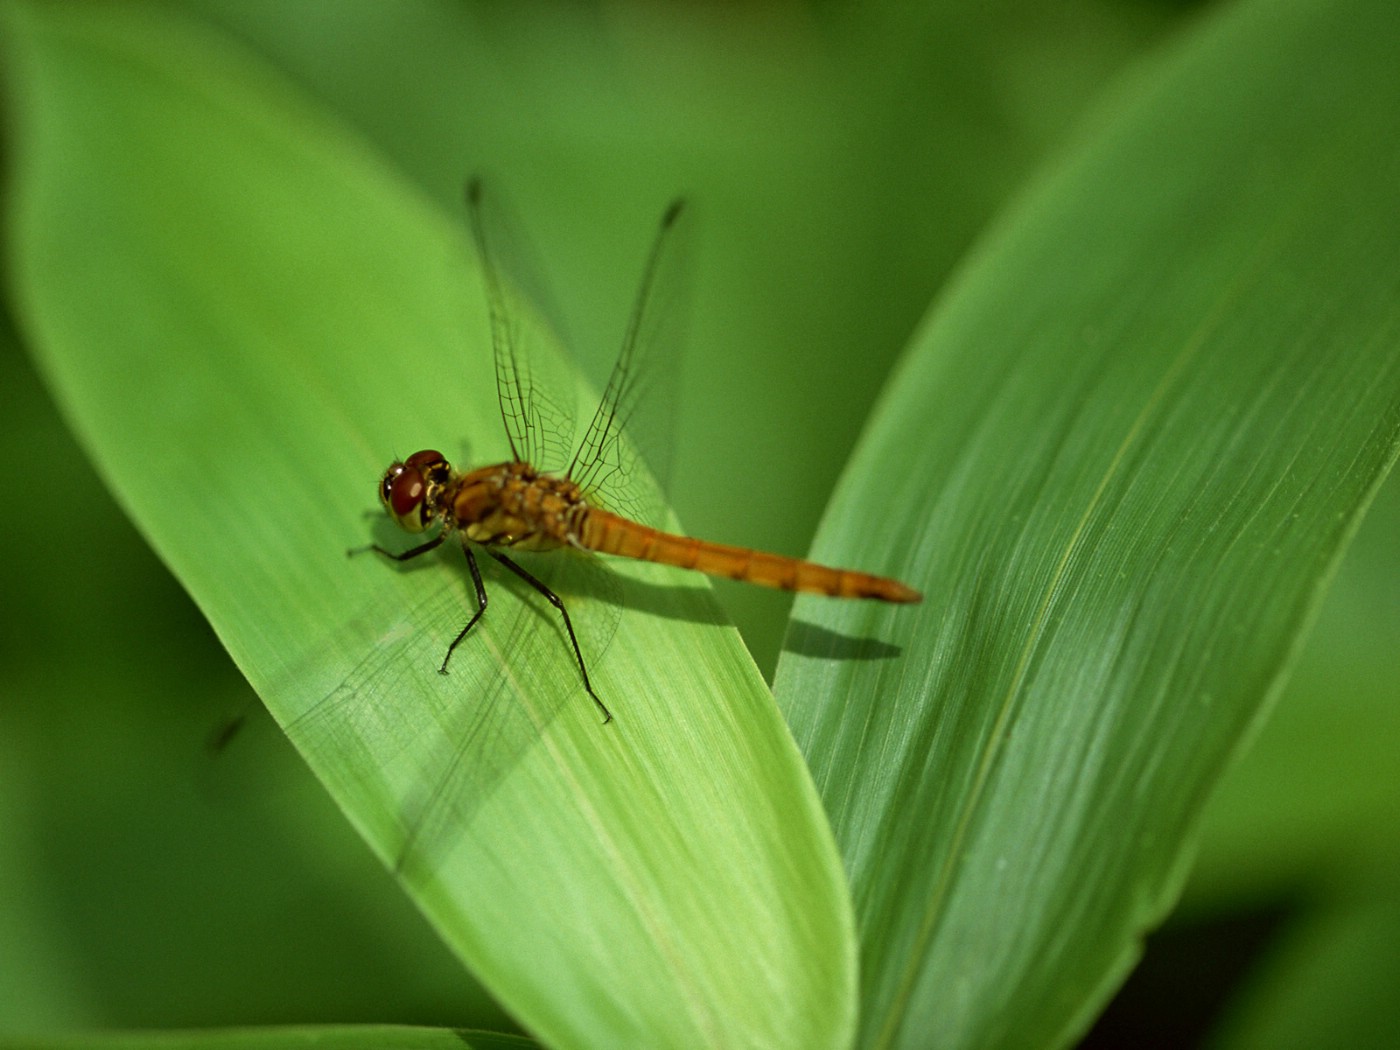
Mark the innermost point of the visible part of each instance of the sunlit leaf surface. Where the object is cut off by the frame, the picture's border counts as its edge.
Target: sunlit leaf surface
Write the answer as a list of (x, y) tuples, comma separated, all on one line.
[(245, 317)]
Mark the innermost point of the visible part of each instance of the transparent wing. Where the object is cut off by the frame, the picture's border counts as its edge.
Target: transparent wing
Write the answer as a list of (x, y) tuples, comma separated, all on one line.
[(626, 444), (425, 768), (533, 384), (624, 456)]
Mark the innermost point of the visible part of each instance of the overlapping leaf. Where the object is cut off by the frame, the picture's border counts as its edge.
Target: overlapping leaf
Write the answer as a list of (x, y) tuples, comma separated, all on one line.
[(1126, 453)]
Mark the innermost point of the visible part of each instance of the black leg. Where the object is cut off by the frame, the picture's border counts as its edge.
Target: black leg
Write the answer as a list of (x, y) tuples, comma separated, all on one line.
[(555, 601), (413, 552), (480, 605)]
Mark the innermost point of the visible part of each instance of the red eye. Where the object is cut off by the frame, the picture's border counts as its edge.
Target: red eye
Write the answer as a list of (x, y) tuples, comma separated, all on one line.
[(405, 493), (425, 460)]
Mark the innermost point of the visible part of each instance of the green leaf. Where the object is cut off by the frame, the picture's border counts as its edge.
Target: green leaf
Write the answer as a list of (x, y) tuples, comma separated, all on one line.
[(244, 316), (1126, 453)]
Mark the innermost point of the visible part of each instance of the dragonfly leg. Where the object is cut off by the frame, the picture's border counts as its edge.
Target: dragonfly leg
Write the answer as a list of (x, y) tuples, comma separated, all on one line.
[(480, 605), (558, 603), (412, 552)]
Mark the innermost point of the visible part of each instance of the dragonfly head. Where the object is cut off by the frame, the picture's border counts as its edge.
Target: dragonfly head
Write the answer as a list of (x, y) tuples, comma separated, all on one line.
[(411, 491)]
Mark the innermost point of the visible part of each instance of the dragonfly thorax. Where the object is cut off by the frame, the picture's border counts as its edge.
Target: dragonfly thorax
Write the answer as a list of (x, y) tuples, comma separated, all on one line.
[(514, 505), (411, 490)]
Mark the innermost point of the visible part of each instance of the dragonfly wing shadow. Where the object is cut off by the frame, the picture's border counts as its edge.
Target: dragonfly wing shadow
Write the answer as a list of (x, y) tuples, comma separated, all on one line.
[(592, 595), (413, 755)]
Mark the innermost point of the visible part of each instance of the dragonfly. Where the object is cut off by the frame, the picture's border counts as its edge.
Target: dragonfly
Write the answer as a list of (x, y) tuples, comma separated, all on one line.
[(518, 506)]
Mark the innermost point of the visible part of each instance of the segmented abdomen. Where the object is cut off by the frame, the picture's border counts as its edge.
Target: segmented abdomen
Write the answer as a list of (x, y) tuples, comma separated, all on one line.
[(609, 534)]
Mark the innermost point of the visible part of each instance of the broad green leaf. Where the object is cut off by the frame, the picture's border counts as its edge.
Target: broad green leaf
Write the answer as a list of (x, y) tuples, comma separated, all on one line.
[(1126, 452), (244, 316)]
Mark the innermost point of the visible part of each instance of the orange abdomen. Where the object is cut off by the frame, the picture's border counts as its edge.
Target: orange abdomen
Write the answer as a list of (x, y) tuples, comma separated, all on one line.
[(609, 534)]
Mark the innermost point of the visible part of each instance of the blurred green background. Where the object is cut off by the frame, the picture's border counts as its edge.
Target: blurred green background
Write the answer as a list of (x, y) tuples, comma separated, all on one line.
[(842, 159)]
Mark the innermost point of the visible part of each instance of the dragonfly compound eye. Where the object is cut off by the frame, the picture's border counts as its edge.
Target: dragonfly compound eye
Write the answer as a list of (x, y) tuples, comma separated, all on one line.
[(406, 500)]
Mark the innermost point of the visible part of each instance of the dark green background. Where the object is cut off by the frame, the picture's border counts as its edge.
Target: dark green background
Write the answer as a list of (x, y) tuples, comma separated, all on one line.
[(841, 161)]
